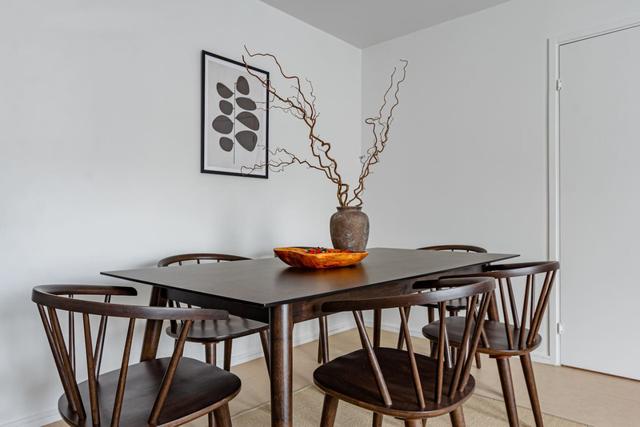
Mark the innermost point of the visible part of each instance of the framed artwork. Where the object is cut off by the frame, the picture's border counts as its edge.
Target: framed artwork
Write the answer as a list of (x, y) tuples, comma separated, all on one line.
[(235, 118)]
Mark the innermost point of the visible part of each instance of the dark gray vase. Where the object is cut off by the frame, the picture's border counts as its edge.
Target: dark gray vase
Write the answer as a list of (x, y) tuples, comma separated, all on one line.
[(349, 228)]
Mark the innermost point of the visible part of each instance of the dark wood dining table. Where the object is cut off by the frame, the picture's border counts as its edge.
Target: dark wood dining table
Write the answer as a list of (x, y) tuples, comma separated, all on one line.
[(268, 290)]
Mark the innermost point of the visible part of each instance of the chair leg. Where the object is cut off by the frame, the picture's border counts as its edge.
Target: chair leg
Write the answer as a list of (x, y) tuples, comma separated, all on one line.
[(210, 353), (321, 321), (222, 415), (457, 417), (527, 368), (210, 358), (504, 369), (377, 420), (329, 409), (228, 343), (264, 340), (323, 340), (319, 358), (414, 422)]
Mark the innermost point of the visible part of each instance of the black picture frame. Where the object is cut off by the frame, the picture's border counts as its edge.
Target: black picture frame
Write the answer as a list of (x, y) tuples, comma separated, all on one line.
[(204, 120)]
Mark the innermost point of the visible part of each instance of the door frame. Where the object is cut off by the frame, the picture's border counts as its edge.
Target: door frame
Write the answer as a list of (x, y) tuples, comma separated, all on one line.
[(553, 170)]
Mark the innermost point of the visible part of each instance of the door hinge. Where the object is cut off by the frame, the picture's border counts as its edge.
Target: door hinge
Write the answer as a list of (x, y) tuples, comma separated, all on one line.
[(558, 85), (560, 328)]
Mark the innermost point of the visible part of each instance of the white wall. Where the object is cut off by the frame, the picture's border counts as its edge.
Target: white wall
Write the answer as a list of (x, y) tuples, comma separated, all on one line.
[(99, 156), (467, 162)]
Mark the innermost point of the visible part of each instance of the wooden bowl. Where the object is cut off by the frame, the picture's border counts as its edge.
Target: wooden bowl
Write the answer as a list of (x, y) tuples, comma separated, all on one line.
[(299, 257)]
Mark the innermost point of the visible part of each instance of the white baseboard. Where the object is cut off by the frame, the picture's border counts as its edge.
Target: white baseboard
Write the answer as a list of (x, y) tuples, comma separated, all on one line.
[(51, 415)]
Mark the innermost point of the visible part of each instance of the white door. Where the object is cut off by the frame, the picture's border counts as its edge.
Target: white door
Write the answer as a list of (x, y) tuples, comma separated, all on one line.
[(599, 151)]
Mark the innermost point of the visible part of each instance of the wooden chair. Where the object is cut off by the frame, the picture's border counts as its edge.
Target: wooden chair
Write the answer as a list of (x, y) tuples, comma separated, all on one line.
[(404, 384), (168, 391), (210, 333), (453, 307), (517, 334)]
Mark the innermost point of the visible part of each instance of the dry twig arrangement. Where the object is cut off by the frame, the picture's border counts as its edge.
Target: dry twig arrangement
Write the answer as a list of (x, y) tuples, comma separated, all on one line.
[(302, 106)]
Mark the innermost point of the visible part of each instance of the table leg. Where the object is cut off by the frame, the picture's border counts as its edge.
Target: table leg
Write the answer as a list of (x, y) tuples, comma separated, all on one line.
[(281, 325), (377, 325), (153, 328)]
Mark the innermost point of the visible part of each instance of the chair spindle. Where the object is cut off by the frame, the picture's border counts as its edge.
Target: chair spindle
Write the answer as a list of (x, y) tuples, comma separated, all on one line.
[(91, 371), (525, 307), (124, 367), (542, 305), (512, 302), (505, 313), (57, 357), (373, 361), (102, 330), (484, 308), (442, 344), (158, 405), (72, 340), (66, 363), (415, 373), (464, 349)]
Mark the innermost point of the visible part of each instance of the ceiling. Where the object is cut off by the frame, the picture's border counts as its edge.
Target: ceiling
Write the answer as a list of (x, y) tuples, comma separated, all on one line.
[(363, 23)]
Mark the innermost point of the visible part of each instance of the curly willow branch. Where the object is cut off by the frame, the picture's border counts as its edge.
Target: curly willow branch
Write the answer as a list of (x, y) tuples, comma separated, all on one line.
[(302, 106), (380, 126)]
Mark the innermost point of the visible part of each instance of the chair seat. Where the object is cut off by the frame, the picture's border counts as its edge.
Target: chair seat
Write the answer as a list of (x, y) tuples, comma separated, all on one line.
[(197, 389), (220, 330), (495, 333), (457, 304), (350, 378)]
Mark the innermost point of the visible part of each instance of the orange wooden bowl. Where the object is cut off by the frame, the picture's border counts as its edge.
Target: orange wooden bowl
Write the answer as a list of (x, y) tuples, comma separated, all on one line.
[(299, 257)]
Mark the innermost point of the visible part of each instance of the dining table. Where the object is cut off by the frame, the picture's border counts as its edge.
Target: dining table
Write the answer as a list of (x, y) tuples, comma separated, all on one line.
[(269, 291)]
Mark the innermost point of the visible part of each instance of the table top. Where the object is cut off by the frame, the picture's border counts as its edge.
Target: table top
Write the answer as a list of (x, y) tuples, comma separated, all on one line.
[(269, 282)]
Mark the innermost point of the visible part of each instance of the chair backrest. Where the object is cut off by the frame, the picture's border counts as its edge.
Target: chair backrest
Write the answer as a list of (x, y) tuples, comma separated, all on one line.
[(523, 314), (198, 258), (194, 258), (53, 298), (454, 248), (477, 292)]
